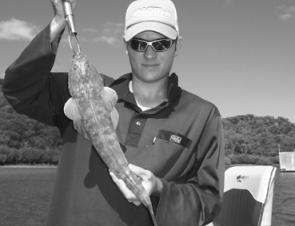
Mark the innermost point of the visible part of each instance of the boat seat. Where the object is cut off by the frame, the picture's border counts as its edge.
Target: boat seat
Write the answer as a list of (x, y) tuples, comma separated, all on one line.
[(248, 196)]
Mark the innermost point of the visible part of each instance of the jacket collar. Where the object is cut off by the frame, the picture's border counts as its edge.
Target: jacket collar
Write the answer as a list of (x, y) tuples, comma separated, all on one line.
[(121, 84)]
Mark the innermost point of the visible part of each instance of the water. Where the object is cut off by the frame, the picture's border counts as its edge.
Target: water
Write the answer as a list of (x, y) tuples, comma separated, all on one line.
[(25, 194), (284, 200)]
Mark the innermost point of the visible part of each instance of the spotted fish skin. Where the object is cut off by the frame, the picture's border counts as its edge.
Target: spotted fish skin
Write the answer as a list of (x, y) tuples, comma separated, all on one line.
[(95, 104)]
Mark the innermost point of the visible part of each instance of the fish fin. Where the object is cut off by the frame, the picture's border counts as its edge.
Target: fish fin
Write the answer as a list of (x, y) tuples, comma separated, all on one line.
[(115, 117), (78, 125), (71, 110), (109, 96)]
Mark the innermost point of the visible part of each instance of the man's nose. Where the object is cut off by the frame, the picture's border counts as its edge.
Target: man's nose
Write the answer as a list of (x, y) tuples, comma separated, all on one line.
[(150, 53)]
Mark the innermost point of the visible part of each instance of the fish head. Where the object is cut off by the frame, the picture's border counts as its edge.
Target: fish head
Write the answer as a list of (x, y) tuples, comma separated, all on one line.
[(84, 80)]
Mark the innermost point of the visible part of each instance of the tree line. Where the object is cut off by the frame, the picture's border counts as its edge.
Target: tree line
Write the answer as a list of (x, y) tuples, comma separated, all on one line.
[(248, 139), (255, 140)]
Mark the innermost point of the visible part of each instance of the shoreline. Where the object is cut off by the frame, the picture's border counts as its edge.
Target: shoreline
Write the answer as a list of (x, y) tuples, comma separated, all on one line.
[(28, 166)]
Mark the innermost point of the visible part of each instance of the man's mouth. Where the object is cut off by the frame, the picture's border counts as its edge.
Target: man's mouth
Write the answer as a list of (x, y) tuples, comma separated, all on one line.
[(150, 65)]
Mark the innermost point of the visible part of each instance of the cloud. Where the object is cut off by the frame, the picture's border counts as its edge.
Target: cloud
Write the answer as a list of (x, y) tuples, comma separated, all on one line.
[(286, 13), (15, 29), (228, 2), (111, 34), (89, 30), (113, 41)]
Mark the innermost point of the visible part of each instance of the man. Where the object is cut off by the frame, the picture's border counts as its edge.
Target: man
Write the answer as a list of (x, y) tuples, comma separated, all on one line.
[(172, 138)]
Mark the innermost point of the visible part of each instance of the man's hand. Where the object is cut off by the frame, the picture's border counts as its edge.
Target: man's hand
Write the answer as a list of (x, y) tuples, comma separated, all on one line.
[(151, 183), (58, 22)]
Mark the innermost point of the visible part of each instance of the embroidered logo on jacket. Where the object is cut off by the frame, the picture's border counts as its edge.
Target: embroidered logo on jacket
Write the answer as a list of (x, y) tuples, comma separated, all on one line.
[(176, 139), (173, 138)]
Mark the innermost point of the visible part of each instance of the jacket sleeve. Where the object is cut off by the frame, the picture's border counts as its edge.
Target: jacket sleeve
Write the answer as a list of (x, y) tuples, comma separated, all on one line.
[(30, 87), (198, 200)]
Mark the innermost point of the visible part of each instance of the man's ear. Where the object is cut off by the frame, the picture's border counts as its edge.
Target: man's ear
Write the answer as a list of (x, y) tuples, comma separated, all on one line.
[(126, 47), (178, 45)]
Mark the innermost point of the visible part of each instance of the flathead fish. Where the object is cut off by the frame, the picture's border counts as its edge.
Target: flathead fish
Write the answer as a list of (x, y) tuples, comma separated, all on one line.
[(92, 110)]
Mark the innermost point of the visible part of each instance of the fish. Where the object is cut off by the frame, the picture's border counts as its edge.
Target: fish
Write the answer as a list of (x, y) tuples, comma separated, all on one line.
[(92, 109)]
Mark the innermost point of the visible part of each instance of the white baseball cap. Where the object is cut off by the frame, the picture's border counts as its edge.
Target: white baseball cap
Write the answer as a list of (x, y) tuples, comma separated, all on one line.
[(151, 15)]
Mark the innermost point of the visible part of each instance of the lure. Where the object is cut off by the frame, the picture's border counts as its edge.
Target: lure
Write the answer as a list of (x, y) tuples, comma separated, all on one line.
[(92, 110)]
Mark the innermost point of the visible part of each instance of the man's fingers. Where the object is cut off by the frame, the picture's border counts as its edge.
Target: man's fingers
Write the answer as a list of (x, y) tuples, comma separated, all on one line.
[(137, 203), (145, 174), (122, 186), (114, 178), (58, 6), (135, 168), (73, 3), (56, 2)]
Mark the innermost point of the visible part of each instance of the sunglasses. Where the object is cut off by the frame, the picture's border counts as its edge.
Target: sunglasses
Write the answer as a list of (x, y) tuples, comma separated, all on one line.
[(159, 45)]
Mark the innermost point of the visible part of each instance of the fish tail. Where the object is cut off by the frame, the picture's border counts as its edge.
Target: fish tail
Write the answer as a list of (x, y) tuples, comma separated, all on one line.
[(148, 204), (151, 211), (134, 183)]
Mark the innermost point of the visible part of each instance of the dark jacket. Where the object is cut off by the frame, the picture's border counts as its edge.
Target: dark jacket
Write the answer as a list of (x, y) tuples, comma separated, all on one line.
[(180, 141)]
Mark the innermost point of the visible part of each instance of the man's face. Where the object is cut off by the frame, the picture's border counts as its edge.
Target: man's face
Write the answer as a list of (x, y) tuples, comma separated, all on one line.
[(151, 66)]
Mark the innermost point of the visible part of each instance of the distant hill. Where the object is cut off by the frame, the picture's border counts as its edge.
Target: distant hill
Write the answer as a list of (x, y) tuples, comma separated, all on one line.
[(253, 139), (24, 140), (248, 138)]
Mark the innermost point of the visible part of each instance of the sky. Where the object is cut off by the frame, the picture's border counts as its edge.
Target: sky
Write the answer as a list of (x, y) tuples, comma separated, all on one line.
[(238, 54)]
